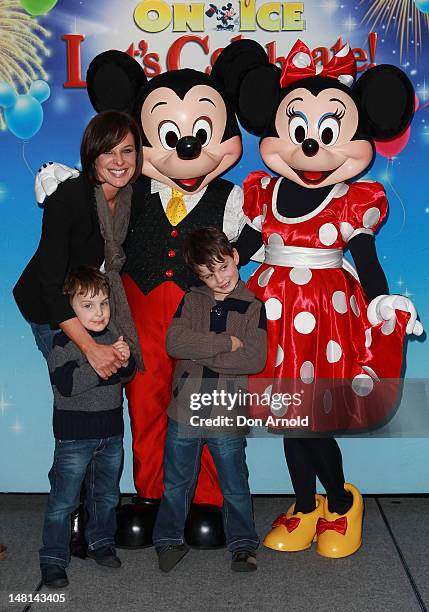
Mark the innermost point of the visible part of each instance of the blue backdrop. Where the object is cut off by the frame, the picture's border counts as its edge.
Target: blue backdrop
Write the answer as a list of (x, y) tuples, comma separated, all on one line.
[(388, 464)]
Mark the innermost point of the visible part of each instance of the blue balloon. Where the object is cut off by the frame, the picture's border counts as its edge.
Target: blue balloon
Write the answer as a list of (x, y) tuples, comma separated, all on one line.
[(40, 90), (422, 5), (25, 118), (7, 95)]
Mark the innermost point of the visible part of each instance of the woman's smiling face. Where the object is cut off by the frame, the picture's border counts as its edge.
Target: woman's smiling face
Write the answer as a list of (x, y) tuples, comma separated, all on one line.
[(116, 168)]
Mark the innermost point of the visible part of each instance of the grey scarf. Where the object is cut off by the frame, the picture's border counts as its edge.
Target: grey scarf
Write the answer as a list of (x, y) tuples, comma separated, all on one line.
[(114, 230)]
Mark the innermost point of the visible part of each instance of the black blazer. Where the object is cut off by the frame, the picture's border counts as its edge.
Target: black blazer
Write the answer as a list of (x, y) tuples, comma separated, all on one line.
[(70, 238)]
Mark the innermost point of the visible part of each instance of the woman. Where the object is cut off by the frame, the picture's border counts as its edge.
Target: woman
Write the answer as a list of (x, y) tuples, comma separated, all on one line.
[(85, 223)]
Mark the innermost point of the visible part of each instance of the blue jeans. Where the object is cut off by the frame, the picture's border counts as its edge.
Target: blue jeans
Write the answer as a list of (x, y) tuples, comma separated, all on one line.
[(99, 463), (181, 468), (44, 336)]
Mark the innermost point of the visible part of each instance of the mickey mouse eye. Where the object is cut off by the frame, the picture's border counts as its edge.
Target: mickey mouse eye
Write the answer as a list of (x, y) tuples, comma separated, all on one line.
[(169, 135), (297, 129), (329, 130), (202, 130)]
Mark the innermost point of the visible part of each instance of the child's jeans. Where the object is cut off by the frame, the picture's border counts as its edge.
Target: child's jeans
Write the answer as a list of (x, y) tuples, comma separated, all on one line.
[(181, 467), (99, 462)]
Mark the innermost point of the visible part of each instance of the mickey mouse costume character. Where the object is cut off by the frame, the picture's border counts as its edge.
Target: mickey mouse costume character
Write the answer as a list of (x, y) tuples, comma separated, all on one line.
[(332, 333), (190, 137)]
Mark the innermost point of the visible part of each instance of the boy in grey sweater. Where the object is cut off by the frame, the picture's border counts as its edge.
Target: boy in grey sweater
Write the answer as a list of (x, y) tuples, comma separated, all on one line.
[(218, 336), (88, 429)]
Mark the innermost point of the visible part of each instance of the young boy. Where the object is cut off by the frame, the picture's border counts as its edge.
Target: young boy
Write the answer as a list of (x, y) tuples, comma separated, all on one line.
[(88, 429), (218, 336)]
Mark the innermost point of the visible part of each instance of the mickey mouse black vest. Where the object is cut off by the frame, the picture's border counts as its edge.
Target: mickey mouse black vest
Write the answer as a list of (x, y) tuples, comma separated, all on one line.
[(154, 247)]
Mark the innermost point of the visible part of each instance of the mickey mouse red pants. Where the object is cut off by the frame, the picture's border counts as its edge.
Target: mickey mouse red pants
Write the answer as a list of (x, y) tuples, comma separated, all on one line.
[(149, 394)]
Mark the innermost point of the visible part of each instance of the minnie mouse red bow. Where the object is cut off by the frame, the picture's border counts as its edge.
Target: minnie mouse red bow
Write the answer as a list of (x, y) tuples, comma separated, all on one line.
[(339, 525), (300, 64), (290, 523)]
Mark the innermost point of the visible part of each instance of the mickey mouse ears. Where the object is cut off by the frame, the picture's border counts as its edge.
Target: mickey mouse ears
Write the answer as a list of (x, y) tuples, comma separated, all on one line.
[(300, 65), (114, 80)]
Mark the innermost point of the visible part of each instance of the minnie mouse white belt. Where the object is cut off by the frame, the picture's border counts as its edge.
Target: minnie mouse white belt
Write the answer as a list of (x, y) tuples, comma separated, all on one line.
[(303, 257)]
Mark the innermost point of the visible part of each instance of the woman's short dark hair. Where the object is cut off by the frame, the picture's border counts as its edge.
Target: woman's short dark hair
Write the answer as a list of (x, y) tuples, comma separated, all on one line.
[(103, 133), (206, 247)]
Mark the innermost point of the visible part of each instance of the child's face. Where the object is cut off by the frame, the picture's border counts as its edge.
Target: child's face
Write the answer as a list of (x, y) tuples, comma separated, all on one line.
[(92, 312), (224, 276)]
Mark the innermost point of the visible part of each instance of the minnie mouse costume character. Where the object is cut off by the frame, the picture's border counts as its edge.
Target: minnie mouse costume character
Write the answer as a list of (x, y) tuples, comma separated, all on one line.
[(190, 137), (334, 334)]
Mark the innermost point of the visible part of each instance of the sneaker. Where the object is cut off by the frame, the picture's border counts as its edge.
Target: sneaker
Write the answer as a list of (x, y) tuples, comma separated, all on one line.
[(105, 556), (169, 556), (243, 561), (54, 576)]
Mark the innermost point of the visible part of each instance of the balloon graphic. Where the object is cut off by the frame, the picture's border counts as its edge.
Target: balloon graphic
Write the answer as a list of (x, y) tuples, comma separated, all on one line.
[(38, 7), (23, 114), (391, 148), (422, 5)]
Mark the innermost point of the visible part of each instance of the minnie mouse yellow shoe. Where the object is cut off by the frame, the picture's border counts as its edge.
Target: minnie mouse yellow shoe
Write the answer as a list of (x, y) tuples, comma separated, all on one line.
[(293, 532), (340, 535)]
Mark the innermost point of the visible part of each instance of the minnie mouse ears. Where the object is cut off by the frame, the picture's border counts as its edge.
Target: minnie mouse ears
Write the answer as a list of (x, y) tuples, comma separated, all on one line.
[(114, 80), (386, 97)]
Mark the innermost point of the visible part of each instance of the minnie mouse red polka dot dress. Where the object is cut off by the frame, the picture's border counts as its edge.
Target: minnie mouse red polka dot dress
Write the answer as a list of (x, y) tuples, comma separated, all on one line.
[(321, 345)]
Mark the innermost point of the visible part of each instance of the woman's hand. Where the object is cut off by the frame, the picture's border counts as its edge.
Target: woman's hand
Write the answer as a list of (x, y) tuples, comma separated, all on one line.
[(124, 349), (106, 359)]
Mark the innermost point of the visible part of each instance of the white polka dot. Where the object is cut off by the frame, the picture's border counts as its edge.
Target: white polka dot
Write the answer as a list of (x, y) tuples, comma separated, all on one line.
[(264, 277), (265, 181), (319, 69), (280, 356), (339, 302), (354, 305), (346, 230), (371, 217), (307, 372), (327, 401), (301, 60), (304, 322), (328, 234), (333, 351), (278, 405), (371, 372), (275, 239), (343, 51), (257, 222), (362, 385), (346, 79), (300, 276), (368, 337), (268, 391), (388, 326), (341, 190), (273, 306)]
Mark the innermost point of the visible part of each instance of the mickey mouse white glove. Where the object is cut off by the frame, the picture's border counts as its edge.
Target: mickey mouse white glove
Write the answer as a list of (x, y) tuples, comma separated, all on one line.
[(382, 308), (49, 176)]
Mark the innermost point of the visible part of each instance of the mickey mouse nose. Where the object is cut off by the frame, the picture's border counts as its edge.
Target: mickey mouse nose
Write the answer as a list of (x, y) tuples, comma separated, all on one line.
[(188, 147), (310, 147)]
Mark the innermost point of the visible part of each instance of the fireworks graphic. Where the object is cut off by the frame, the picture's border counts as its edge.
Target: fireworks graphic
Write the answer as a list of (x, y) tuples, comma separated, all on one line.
[(21, 47), (405, 18)]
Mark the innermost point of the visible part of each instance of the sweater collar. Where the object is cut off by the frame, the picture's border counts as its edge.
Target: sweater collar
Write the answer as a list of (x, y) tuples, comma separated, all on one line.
[(241, 292)]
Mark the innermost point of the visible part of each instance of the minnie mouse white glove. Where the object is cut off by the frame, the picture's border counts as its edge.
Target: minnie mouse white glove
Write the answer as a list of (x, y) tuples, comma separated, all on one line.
[(382, 308), (49, 176)]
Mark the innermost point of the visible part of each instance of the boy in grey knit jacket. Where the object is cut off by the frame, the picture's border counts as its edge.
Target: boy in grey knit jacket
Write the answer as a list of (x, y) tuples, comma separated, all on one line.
[(218, 336), (88, 429)]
